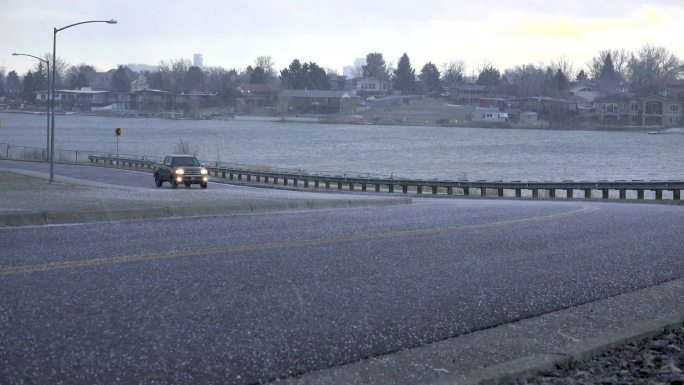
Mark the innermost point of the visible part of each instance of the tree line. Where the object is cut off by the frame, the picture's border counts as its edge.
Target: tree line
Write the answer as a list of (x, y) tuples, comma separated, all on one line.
[(644, 71)]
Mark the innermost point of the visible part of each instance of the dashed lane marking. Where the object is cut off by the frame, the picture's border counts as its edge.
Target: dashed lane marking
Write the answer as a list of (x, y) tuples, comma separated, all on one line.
[(118, 260)]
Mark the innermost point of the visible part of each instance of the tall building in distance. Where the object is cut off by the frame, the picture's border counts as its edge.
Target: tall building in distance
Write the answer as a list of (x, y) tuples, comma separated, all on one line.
[(353, 71), (197, 60)]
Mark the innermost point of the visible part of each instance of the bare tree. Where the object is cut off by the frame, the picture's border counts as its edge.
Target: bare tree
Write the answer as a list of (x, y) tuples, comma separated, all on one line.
[(619, 57), (565, 66), (184, 147), (652, 67), (173, 74), (267, 64), (61, 67), (527, 80), (452, 72)]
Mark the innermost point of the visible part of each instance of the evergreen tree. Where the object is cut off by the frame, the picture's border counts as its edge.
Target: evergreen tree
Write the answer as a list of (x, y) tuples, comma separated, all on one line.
[(257, 76), (121, 81), (13, 84), (608, 73), (404, 76), (307, 76), (195, 79), (582, 77), (430, 76), (562, 82), (28, 88), (489, 76), (375, 67)]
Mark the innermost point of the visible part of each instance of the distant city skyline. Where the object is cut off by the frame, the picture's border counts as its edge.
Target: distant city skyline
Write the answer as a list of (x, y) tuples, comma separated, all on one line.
[(504, 34)]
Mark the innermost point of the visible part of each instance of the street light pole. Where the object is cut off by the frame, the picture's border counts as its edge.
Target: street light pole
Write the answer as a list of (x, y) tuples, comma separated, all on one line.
[(47, 102), (54, 75)]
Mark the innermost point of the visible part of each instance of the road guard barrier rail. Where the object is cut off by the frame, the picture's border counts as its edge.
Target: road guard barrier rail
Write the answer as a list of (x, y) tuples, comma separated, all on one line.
[(620, 189)]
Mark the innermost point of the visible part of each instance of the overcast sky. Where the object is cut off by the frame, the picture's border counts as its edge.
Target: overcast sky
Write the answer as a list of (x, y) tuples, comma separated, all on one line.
[(233, 33)]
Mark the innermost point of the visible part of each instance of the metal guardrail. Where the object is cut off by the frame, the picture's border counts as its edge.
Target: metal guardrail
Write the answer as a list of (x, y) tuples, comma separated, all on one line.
[(620, 189)]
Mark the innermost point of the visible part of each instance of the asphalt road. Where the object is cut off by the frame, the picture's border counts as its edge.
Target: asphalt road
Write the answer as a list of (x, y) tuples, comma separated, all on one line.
[(113, 176), (252, 298)]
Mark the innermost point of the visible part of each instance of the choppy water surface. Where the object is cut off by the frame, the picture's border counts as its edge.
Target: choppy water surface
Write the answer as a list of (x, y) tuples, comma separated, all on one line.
[(417, 152)]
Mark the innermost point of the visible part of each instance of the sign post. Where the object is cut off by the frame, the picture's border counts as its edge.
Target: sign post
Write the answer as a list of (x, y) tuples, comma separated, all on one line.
[(117, 132)]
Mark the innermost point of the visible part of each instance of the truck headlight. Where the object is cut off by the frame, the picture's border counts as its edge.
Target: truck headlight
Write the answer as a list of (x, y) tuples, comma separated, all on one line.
[(204, 171), (180, 171)]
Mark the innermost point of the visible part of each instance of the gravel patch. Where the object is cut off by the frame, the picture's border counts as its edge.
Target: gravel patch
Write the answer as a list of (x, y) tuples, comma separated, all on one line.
[(659, 360)]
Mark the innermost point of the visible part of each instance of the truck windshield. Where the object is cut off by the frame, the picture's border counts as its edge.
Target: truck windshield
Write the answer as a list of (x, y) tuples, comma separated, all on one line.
[(185, 161)]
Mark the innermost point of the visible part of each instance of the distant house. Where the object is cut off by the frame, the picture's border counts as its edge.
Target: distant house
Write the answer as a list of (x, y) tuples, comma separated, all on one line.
[(82, 99), (102, 81), (371, 86), (316, 101), (655, 110), (152, 100), (619, 109), (139, 84), (585, 95), (257, 95), (662, 111), (470, 94), (190, 101)]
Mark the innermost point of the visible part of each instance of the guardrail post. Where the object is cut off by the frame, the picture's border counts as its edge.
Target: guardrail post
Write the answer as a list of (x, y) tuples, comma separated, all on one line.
[(623, 194), (306, 183), (450, 190), (339, 185), (275, 180), (377, 187), (640, 194), (404, 189), (351, 186), (518, 193), (569, 193), (434, 190), (316, 183), (363, 187), (587, 193), (249, 177), (659, 194), (466, 191), (284, 181), (419, 189), (390, 187), (535, 193), (230, 176), (327, 185), (500, 192), (483, 191), (265, 179), (552, 193), (606, 193), (676, 194)]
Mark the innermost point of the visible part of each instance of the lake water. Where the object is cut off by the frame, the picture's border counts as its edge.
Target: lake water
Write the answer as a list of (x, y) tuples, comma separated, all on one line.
[(415, 152)]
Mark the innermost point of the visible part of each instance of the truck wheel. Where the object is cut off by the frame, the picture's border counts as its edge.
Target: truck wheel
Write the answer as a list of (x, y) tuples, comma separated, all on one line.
[(174, 184), (204, 184), (157, 180), (187, 184)]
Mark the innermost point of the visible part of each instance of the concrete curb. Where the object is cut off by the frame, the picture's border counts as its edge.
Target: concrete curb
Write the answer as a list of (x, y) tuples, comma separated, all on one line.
[(580, 352), (519, 349), (48, 217)]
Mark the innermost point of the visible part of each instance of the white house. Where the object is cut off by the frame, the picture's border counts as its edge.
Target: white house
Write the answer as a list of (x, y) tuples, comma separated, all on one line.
[(372, 86)]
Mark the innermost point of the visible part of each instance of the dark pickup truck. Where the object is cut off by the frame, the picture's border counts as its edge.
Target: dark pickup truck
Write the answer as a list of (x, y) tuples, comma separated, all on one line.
[(181, 169)]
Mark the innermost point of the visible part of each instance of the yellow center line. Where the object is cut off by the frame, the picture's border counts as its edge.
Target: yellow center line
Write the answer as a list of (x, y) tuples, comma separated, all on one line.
[(12, 270)]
